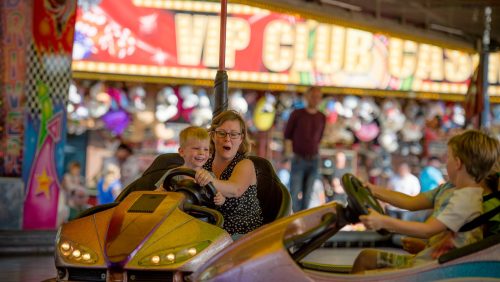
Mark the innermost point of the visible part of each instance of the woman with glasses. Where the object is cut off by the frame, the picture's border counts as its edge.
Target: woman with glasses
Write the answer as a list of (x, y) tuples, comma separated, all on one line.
[(235, 176)]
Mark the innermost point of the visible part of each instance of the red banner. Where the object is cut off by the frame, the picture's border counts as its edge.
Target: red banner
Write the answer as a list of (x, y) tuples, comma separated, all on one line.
[(181, 39)]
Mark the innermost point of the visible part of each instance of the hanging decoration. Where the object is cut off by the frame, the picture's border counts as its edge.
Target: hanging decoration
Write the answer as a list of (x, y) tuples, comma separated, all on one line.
[(265, 112)]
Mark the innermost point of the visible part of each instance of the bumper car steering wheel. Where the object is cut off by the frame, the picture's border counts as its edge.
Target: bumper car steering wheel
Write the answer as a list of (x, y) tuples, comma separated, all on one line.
[(195, 194), (359, 199)]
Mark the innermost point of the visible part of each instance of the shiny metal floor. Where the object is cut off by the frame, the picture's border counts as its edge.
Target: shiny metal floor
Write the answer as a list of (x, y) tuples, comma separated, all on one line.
[(40, 268), (27, 268)]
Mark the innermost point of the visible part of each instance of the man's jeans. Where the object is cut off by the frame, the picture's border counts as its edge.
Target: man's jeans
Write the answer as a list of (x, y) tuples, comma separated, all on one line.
[(304, 172)]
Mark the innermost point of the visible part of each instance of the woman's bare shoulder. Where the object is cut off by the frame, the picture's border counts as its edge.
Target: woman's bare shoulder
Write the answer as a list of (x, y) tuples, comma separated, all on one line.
[(246, 163)]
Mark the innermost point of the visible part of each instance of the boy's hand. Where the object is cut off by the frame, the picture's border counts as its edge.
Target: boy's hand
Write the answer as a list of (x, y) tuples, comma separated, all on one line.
[(413, 245), (160, 189), (203, 177), (373, 220), (372, 187), (219, 199)]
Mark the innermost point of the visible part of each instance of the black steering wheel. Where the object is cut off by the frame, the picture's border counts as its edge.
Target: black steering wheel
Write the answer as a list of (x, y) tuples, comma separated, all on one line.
[(359, 199), (195, 194)]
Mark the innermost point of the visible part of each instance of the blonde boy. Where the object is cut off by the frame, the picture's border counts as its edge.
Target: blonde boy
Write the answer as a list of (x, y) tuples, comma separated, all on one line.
[(471, 155), (194, 148)]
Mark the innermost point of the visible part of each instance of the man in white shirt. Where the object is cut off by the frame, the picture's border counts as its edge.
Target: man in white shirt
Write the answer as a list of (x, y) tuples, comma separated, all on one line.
[(405, 182)]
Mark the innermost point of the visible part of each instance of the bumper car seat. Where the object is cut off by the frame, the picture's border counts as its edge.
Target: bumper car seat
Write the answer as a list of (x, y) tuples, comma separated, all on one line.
[(152, 174), (274, 197), (146, 182)]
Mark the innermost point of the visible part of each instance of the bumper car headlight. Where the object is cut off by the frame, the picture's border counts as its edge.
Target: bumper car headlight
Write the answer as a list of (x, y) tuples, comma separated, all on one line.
[(174, 255), (74, 252)]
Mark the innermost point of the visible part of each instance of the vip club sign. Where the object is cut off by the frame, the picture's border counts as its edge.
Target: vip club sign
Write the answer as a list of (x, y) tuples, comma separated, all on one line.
[(180, 39)]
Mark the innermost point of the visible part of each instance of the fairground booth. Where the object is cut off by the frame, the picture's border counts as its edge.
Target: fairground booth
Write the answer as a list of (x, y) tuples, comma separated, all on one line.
[(144, 70)]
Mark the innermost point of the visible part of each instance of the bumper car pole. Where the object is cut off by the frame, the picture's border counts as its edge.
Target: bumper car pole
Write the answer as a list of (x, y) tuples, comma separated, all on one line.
[(221, 79)]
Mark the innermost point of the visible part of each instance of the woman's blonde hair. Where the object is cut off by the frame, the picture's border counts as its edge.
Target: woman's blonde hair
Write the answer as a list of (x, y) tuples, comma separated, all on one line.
[(226, 116)]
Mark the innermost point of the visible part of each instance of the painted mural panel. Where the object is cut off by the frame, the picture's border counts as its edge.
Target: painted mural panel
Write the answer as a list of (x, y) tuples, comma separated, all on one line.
[(49, 73), (15, 28)]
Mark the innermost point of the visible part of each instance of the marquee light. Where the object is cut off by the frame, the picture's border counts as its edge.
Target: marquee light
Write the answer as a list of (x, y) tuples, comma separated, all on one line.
[(267, 47)]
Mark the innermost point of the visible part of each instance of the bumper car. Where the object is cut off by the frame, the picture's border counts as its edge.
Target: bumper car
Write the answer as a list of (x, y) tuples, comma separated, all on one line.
[(156, 236), (276, 252)]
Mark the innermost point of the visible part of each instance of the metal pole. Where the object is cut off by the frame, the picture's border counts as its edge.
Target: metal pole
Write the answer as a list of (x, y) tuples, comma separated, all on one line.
[(485, 122), (221, 79)]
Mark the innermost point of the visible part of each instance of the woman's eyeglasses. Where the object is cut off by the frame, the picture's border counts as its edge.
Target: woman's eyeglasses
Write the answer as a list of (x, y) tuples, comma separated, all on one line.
[(232, 134)]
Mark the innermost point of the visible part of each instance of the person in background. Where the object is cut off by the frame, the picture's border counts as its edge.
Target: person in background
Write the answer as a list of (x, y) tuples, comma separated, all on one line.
[(235, 175), (109, 185), (194, 148), (72, 180), (127, 163), (403, 182), (471, 156), (284, 172), (78, 202), (303, 133), (431, 176), (339, 194), (318, 195)]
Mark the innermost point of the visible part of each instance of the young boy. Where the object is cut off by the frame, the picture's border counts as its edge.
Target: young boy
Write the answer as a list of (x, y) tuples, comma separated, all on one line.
[(490, 201), (471, 155), (194, 148)]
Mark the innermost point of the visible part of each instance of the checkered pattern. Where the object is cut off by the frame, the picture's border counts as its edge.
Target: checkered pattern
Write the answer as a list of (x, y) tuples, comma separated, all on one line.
[(55, 71)]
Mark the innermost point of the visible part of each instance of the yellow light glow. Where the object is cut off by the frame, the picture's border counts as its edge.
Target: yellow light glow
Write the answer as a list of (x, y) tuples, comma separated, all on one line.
[(76, 253), (155, 259), (65, 246), (192, 251), (426, 86), (434, 87), (445, 87), (358, 51), (86, 256), (457, 66), (171, 257), (277, 46)]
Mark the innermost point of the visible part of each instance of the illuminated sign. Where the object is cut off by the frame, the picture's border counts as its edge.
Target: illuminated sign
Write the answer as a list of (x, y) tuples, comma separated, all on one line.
[(180, 39)]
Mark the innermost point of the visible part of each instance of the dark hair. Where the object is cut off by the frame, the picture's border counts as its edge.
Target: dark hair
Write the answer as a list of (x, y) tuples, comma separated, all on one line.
[(74, 164), (434, 158), (125, 147), (491, 181)]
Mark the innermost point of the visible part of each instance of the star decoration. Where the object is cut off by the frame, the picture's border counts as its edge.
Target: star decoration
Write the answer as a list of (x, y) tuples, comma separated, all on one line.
[(148, 23), (160, 57), (44, 182)]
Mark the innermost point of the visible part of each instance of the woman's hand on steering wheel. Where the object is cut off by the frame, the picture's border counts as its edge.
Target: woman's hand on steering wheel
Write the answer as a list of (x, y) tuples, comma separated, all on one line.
[(203, 177), (373, 220)]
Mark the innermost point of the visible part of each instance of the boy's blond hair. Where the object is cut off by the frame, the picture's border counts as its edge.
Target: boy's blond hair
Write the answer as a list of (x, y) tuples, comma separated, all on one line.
[(195, 132), (477, 150)]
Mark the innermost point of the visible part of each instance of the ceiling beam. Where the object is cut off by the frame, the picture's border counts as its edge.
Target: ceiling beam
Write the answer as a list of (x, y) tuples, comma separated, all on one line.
[(359, 20)]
